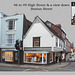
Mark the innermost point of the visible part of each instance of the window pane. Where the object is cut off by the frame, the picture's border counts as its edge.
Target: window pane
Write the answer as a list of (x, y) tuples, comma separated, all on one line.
[(36, 41), (10, 39), (56, 42), (11, 25), (9, 36)]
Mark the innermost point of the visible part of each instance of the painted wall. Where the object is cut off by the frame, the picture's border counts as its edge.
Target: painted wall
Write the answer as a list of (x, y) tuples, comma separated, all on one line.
[(1, 15), (0, 30), (18, 32), (38, 30)]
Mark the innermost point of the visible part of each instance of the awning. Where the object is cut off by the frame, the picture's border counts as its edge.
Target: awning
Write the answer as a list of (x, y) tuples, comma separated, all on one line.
[(38, 48), (36, 52), (58, 49)]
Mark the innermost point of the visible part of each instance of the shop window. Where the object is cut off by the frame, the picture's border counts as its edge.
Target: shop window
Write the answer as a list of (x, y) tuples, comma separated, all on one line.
[(9, 56), (34, 57), (36, 41)]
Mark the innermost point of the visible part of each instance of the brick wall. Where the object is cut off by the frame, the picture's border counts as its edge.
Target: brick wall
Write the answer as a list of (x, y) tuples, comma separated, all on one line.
[(56, 29)]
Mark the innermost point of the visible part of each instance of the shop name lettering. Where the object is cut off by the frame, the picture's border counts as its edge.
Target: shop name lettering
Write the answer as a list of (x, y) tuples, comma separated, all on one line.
[(41, 6)]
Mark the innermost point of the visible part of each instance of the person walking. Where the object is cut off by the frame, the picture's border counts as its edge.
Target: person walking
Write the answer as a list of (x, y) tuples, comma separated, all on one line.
[(56, 59)]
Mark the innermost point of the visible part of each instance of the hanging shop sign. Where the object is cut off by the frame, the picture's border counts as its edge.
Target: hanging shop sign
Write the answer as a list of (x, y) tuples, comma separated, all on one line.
[(9, 56)]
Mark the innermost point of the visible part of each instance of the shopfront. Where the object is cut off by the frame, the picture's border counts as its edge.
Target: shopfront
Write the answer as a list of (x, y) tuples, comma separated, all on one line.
[(35, 57), (9, 56)]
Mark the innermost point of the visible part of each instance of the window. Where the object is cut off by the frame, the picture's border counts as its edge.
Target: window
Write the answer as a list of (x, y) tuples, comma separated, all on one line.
[(56, 42), (9, 56), (36, 41), (10, 38), (34, 57), (11, 25), (59, 43)]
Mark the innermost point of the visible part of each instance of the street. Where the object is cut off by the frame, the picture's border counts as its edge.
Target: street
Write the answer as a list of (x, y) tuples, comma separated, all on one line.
[(35, 68), (70, 67)]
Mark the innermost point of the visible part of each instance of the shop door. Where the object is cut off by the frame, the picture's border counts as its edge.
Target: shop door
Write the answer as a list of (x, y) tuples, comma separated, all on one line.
[(3, 57)]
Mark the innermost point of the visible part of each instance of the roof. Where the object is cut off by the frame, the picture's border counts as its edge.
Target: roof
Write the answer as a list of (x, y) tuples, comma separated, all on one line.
[(49, 28), (26, 25), (56, 26)]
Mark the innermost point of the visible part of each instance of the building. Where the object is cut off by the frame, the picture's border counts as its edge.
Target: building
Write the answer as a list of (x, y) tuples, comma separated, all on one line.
[(67, 49), (12, 27), (57, 28), (41, 44)]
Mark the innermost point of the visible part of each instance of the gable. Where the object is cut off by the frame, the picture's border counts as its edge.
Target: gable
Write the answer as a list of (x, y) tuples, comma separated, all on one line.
[(39, 24)]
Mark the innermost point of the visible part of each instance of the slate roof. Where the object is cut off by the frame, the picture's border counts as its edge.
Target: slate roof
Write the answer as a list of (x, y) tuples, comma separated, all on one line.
[(26, 25)]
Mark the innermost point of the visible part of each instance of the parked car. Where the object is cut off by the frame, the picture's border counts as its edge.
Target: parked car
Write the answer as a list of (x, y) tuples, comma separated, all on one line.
[(72, 59)]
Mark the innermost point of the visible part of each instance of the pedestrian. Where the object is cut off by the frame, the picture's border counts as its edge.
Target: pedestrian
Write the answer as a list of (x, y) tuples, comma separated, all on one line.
[(56, 59), (40, 59), (59, 59)]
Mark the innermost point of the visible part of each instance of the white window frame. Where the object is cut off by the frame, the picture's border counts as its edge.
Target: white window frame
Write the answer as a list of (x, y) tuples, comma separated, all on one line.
[(13, 25), (11, 38)]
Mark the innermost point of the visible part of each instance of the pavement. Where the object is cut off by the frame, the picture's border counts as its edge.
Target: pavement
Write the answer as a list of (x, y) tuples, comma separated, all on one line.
[(37, 67)]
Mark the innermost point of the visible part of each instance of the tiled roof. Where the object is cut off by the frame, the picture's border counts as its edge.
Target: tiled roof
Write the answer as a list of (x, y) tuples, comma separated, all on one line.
[(51, 29)]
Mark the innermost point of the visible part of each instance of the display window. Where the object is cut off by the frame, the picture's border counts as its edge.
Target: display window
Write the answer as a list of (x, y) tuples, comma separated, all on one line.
[(9, 56), (35, 57)]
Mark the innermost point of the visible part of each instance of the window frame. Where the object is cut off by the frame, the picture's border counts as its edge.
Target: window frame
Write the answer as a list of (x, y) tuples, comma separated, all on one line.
[(56, 41), (14, 25), (33, 41), (13, 39)]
